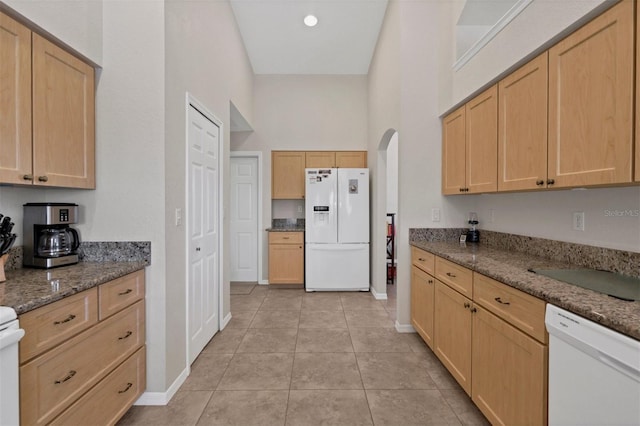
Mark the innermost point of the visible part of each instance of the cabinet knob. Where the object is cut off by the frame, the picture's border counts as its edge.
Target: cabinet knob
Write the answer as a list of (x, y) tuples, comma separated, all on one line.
[(550, 181), (467, 305), (27, 177), (421, 259), (43, 178), (461, 189), (539, 182), (430, 281), (474, 310)]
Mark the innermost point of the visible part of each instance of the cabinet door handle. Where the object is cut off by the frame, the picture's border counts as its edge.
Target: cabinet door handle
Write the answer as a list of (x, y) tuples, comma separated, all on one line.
[(127, 291), (499, 300), (449, 274), (129, 333), (27, 177), (474, 310), (550, 181), (71, 317), (68, 377), (461, 189), (467, 305), (430, 281), (129, 384), (539, 182), (285, 238), (43, 178)]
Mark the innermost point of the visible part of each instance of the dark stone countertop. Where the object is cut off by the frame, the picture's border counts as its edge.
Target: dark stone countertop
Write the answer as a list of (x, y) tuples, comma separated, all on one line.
[(511, 268), (26, 289)]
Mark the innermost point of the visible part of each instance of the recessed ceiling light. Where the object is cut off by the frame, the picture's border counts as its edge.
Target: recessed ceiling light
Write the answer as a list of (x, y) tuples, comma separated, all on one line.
[(310, 21)]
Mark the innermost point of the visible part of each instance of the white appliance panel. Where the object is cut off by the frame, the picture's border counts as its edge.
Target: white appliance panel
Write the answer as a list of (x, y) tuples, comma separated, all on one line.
[(10, 335), (353, 205), (594, 372), (337, 267), (321, 221)]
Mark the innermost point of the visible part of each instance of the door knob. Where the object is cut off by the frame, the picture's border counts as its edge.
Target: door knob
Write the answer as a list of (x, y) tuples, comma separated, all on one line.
[(197, 248)]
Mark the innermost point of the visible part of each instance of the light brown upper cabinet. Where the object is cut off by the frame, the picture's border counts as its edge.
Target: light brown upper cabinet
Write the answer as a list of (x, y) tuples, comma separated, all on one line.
[(470, 145), (591, 102), (15, 101), (287, 175), (318, 159), (48, 112), (522, 127), (351, 159), (63, 118), (453, 156)]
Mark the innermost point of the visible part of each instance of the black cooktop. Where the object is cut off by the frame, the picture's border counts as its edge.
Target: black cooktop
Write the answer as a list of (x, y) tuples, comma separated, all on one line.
[(615, 285)]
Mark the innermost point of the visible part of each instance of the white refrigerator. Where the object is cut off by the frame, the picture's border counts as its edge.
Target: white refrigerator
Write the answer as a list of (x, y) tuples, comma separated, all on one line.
[(337, 230)]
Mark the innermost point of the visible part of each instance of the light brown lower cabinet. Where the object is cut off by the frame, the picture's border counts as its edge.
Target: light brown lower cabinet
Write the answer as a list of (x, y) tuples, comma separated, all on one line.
[(88, 375), (422, 303), (508, 372), (286, 257), (452, 333), (493, 341)]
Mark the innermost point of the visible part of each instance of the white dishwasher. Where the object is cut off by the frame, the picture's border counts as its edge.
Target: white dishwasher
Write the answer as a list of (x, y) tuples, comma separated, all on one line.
[(10, 335), (594, 372)]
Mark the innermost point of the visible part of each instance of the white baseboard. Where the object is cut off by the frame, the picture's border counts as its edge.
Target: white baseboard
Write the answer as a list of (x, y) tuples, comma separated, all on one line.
[(378, 296), (225, 321), (263, 282), (404, 328), (163, 398)]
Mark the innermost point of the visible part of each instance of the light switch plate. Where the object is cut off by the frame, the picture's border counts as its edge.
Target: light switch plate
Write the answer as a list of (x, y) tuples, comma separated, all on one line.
[(435, 215), (578, 221), (178, 216)]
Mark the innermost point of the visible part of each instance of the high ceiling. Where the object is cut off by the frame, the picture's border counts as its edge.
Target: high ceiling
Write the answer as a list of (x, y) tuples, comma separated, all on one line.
[(278, 42)]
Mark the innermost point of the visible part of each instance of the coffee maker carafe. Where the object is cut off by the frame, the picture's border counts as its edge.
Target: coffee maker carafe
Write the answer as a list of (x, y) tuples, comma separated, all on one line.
[(49, 241)]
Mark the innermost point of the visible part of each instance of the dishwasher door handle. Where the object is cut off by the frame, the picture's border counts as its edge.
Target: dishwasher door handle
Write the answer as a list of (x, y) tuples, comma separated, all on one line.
[(10, 337), (623, 368)]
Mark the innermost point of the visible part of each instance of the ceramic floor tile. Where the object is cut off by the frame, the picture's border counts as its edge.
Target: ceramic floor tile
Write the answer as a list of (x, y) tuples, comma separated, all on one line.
[(327, 408), (249, 302), (184, 409), (258, 372), (415, 342), (269, 340), (243, 408), (278, 303), (410, 408), (225, 341), (286, 292), (442, 378), (241, 319), (325, 371), (368, 318), (323, 340), (275, 319), (359, 303), (464, 408), (241, 287), (378, 340), (321, 302), (206, 371), (322, 319), (400, 370)]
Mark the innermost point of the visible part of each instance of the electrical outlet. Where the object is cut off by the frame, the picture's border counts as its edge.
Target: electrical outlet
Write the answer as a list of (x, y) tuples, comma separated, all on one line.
[(299, 209), (435, 215), (578, 221), (178, 216)]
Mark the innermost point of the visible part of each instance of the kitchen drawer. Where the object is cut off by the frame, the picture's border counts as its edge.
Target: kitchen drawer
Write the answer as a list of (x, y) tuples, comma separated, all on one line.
[(455, 276), (423, 260), (52, 324), (120, 293), (519, 309), (54, 380), (112, 397), (286, 238)]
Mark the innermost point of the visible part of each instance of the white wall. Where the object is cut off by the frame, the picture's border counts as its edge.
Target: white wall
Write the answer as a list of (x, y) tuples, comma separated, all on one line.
[(206, 57), (76, 23), (392, 175), (303, 112)]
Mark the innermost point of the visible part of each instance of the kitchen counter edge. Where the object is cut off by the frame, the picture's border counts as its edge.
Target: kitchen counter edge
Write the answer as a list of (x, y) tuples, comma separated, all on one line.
[(511, 268), (292, 229), (28, 289)]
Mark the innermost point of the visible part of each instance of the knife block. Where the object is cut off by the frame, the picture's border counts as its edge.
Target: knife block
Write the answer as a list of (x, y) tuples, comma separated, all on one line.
[(3, 260)]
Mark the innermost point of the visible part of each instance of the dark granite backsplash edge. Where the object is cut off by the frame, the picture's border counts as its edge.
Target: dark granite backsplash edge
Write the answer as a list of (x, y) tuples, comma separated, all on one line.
[(287, 223), (619, 261), (97, 251)]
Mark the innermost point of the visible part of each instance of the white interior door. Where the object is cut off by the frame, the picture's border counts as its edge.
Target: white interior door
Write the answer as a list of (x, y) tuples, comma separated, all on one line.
[(203, 138), (244, 218)]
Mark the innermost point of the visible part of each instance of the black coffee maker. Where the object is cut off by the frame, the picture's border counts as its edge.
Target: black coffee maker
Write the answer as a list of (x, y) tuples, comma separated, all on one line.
[(473, 235), (49, 241)]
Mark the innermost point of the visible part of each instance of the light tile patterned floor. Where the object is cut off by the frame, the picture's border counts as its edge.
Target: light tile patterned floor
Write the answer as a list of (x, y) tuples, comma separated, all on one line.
[(293, 358)]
